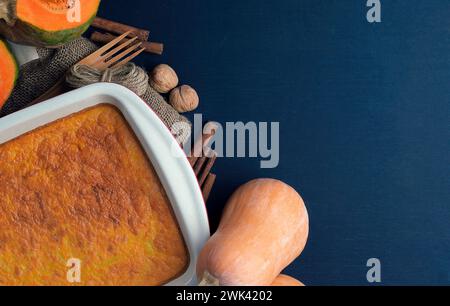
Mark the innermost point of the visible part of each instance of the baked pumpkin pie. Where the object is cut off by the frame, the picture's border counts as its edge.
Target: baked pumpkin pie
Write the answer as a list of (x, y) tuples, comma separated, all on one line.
[(83, 188)]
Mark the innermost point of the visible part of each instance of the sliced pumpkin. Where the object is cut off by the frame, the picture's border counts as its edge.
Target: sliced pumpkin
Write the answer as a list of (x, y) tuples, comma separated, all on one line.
[(46, 23), (8, 72)]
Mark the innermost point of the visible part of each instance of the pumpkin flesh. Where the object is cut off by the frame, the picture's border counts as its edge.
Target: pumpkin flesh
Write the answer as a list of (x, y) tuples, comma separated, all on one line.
[(8, 73), (50, 15)]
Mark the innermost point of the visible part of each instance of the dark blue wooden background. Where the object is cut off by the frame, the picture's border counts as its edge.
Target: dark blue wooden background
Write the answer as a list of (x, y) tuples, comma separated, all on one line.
[(364, 113)]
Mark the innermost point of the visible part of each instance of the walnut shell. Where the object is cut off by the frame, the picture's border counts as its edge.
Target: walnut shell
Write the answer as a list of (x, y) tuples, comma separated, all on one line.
[(184, 99), (163, 78)]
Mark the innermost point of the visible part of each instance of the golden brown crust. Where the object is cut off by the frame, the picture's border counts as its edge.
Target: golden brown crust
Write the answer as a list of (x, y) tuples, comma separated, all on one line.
[(82, 187)]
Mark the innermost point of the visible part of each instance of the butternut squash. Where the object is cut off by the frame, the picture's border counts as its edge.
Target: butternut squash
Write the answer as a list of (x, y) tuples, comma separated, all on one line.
[(287, 281), (264, 228)]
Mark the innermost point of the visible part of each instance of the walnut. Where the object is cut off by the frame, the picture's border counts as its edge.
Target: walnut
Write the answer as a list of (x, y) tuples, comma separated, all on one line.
[(163, 78), (184, 99)]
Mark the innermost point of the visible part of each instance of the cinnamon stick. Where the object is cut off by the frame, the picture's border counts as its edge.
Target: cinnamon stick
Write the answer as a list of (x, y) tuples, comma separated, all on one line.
[(206, 171), (199, 165), (201, 143), (207, 187), (150, 47), (119, 28)]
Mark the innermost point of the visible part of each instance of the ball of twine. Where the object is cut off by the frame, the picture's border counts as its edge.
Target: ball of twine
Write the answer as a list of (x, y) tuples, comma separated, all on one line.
[(131, 76)]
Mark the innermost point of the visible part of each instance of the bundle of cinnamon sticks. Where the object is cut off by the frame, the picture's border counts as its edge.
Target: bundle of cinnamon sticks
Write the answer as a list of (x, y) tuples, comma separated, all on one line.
[(113, 28)]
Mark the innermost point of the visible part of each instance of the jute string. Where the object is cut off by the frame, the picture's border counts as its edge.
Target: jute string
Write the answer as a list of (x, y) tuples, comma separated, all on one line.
[(131, 76)]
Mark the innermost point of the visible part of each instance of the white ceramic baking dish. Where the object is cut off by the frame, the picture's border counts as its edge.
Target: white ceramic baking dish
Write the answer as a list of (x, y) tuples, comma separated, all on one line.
[(175, 173)]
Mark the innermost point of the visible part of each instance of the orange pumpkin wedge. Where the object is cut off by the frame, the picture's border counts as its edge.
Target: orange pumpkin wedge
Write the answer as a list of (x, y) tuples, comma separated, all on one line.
[(287, 281), (8, 72), (264, 228), (46, 23)]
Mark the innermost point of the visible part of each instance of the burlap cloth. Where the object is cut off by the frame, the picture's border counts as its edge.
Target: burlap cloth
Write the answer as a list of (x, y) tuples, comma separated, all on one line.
[(38, 76)]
